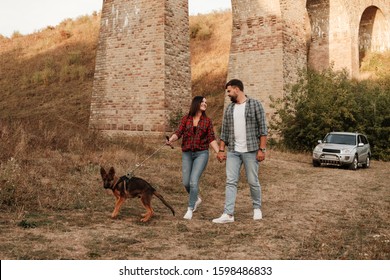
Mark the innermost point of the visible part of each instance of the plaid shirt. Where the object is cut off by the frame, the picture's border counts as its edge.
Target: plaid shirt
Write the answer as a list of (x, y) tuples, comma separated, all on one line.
[(198, 140), (255, 125)]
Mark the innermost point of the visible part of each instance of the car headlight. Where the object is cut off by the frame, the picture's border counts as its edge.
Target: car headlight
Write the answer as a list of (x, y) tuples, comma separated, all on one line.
[(317, 149), (346, 151)]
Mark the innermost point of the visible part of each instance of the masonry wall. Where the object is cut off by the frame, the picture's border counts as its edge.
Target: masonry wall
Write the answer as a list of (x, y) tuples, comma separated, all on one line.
[(351, 18), (274, 39), (296, 40), (339, 32), (256, 53), (142, 66)]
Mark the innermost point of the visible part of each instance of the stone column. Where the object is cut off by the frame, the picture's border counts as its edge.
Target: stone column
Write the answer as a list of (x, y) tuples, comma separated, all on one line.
[(256, 54), (142, 69)]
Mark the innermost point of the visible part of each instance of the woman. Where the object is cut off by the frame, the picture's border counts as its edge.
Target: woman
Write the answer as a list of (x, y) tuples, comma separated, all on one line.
[(197, 132)]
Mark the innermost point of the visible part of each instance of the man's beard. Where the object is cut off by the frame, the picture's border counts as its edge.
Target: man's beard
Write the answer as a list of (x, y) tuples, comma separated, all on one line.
[(233, 99)]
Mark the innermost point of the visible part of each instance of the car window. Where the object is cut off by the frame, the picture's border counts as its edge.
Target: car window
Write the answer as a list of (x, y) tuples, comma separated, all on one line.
[(363, 139), (341, 139)]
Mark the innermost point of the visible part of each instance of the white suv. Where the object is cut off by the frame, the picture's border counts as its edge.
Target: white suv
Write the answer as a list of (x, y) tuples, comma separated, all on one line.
[(343, 149)]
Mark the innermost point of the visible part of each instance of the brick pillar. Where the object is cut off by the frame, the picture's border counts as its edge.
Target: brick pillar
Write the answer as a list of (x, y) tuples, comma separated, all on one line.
[(256, 53), (142, 70)]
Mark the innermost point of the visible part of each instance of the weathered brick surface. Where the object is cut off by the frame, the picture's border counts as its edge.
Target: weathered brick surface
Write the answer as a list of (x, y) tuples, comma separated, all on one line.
[(272, 40), (143, 66)]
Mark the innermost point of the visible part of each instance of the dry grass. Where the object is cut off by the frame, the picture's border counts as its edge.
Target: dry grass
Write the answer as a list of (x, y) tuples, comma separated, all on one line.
[(209, 59), (210, 55), (375, 65), (53, 206), (47, 76)]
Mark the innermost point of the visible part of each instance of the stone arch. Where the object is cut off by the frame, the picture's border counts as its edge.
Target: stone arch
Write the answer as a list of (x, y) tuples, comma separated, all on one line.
[(143, 68), (373, 32), (318, 12)]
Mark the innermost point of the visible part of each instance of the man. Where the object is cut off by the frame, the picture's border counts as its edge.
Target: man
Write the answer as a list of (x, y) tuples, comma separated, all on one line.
[(244, 131)]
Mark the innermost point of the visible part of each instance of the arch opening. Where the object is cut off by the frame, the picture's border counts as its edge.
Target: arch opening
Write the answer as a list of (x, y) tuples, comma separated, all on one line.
[(373, 33), (317, 33)]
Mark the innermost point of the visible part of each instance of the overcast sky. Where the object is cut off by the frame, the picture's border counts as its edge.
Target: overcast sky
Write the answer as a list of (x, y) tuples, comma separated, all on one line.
[(28, 16)]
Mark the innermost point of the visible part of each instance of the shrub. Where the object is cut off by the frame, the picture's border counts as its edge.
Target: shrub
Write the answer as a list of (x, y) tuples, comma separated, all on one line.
[(329, 101), (174, 118)]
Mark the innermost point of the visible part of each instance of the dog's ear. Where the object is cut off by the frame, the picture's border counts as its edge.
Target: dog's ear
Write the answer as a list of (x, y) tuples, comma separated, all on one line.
[(111, 173), (102, 172)]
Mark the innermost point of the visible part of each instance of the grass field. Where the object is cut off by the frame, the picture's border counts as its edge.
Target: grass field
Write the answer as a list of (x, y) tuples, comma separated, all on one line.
[(59, 209)]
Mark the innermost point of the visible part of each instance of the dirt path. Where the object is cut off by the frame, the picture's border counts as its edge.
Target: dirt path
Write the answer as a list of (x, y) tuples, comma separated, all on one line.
[(309, 213)]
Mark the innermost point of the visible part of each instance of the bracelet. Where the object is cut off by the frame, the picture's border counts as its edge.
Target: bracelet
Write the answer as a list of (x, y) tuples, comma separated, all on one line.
[(221, 151)]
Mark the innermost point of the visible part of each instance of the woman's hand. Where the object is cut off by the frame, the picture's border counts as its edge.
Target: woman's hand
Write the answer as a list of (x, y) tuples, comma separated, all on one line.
[(221, 156)]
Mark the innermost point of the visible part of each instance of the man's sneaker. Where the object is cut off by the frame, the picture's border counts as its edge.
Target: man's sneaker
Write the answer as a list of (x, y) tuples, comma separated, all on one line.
[(225, 218), (257, 215), (188, 215), (197, 203)]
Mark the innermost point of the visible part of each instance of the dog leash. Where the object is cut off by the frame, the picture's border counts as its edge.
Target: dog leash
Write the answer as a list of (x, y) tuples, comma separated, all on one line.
[(130, 174)]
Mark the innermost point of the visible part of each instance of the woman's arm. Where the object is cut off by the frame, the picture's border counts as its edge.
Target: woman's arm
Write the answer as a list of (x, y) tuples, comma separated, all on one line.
[(172, 139), (215, 146)]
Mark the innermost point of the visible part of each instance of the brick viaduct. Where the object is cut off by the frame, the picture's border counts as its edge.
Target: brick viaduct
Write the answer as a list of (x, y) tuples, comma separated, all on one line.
[(143, 62)]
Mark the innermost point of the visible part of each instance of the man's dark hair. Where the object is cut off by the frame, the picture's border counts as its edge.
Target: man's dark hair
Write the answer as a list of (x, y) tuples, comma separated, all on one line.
[(235, 83), (195, 106)]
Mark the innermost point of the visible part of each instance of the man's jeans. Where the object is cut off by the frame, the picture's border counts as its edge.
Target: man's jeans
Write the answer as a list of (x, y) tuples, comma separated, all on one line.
[(193, 165), (234, 162)]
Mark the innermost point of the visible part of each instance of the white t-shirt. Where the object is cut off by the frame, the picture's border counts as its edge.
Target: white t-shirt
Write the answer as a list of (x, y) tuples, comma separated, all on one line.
[(239, 128)]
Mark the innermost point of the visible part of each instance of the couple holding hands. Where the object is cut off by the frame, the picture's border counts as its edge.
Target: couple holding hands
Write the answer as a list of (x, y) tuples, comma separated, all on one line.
[(244, 132)]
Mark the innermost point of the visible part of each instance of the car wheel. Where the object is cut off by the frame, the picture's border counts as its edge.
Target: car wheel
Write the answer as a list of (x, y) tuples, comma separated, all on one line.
[(316, 163), (354, 164), (367, 163)]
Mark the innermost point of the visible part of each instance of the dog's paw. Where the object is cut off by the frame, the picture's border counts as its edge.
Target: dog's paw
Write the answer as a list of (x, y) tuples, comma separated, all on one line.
[(145, 219)]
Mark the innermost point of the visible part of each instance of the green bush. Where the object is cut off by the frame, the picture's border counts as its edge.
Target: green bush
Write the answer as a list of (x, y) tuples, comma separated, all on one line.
[(326, 101), (174, 118)]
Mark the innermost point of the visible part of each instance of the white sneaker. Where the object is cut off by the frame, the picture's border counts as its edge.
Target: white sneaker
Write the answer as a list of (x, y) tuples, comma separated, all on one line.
[(197, 203), (225, 218), (188, 215), (257, 215)]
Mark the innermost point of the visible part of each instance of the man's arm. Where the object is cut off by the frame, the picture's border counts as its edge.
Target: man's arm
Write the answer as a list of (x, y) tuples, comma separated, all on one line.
[(262, 148), (221, 153), (263, 142)]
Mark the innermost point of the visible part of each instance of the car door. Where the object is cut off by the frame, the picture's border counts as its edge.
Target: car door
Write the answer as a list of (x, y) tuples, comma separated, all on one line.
[(362, 148)]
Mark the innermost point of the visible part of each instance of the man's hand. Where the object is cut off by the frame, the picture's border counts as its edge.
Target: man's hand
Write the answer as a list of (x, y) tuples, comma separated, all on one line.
[(221, 156), (260, 156)]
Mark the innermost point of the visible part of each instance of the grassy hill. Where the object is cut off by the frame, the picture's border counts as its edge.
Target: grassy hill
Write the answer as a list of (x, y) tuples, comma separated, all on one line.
[(210, 46), (47, 77)]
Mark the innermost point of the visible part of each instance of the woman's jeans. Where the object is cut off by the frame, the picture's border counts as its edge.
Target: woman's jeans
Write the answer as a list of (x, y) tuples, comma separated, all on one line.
[(193, 165), (234, 162)]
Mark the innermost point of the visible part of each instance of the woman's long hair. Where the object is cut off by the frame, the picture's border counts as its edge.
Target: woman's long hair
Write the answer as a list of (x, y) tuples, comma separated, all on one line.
[(195, 106)]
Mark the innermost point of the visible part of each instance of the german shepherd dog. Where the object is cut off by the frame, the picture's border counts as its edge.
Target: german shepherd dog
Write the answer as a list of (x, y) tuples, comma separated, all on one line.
[(125, 187)]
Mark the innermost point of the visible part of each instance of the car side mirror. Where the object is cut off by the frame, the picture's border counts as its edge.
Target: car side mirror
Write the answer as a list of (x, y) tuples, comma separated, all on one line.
[(360, 144), (319, 141)]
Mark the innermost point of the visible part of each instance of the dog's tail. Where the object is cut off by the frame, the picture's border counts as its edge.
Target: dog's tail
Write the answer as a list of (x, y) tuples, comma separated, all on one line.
[(163, 201)]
